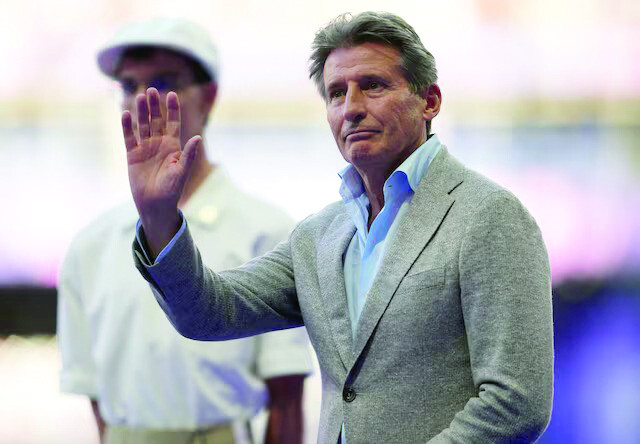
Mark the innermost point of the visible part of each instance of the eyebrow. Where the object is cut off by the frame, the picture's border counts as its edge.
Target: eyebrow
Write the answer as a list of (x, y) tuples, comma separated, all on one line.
[(364, 78), (377, 78), (333, 85)]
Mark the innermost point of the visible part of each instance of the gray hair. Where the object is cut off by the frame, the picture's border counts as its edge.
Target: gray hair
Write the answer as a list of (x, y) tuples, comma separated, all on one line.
[(346, 31)]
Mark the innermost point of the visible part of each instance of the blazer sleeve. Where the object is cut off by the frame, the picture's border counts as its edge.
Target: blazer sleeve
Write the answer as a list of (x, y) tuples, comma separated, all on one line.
[(505, 291), (258, 297), (284, 352)]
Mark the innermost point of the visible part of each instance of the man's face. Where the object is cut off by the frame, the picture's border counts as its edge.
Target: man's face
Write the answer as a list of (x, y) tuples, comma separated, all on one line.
[(376, 120), (167, 71)]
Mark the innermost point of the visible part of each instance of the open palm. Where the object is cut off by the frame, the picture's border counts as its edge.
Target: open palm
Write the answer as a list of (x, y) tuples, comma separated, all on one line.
[(158, 166)]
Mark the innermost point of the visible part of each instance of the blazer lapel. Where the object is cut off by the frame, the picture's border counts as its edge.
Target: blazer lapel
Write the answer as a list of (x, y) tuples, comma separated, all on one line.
[(331, 277), (429, 206)]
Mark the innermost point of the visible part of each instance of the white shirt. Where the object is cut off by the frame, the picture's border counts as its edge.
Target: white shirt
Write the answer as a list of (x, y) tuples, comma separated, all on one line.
[(117, 346)]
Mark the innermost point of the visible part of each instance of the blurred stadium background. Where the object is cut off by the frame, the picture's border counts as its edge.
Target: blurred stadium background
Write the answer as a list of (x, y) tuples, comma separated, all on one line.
[(543, 96)]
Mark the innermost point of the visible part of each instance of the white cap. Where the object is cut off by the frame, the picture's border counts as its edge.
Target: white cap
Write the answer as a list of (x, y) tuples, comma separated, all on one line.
[(182, 36)]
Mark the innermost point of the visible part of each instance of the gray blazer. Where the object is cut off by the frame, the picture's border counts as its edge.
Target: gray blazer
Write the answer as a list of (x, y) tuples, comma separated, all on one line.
[(455, 341)]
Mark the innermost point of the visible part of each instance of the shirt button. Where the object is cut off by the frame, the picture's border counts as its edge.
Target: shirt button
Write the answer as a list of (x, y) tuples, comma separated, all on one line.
[(348, 394), (208, 214)]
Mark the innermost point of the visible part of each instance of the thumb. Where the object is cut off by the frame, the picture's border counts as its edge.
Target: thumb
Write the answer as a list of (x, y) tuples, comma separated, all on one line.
[(190, 151)]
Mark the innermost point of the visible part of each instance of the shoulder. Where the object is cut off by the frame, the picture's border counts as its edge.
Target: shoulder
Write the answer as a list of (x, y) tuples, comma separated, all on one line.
[(99, 230), (243, 209), (464, 183), (323, 220), (481, 194), (473, 190), (488, 210), (91, 244), (265, 213), (476, 188), (476, 198), (324, 228)]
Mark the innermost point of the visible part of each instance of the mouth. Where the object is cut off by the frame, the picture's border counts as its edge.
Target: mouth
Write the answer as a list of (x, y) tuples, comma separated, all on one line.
[(360, 134)]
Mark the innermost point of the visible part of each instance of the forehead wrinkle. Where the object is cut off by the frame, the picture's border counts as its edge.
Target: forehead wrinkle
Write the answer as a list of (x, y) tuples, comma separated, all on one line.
[(366, 65)]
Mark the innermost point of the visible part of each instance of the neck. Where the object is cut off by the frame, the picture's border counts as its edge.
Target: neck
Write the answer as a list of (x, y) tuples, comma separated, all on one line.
[(374, 187), (373, 179), (374, 176)]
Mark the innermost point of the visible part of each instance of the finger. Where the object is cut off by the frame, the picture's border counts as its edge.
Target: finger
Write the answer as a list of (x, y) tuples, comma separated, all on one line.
[(157, 123), (127, 129), (143, 117), (173, 115), (190, 151)]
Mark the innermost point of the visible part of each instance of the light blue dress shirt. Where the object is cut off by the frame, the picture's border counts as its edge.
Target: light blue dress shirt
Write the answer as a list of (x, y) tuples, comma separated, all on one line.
[(366, 249)]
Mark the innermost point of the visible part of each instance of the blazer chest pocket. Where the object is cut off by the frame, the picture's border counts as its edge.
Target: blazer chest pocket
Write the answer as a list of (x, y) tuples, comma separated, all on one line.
[(422, 280)]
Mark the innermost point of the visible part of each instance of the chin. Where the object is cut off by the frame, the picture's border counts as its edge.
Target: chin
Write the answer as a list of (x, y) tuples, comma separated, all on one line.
[(361, 158), (362, 149)]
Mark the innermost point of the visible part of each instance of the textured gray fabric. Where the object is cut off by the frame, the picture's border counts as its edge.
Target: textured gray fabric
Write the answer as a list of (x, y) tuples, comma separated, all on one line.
[(455, 342)]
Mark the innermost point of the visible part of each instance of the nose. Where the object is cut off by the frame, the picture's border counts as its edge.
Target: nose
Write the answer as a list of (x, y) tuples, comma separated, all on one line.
[(128, 97), (141, 88), (128, 103), (354, 107), (128, 94)]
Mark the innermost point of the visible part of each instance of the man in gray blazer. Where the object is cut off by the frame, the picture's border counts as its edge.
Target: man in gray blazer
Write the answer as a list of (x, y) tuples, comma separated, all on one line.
[(425, 291)]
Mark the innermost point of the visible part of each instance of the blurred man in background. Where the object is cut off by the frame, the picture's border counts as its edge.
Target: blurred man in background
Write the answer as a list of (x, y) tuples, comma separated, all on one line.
[(148, 384)]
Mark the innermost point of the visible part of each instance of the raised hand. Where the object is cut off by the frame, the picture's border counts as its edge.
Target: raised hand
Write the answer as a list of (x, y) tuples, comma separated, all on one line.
[(158, 167)]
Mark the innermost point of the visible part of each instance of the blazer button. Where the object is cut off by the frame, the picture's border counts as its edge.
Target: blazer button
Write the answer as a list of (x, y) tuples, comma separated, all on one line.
[(348, 394)]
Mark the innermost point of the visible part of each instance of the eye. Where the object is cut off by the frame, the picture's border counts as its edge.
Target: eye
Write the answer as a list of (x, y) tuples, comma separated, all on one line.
[(372, 84), (164, 84), (129, 86), (335, 94)]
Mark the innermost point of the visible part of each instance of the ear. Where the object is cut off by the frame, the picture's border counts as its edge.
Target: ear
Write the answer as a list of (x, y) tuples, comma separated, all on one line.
[(209, 92), (433, 99)]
